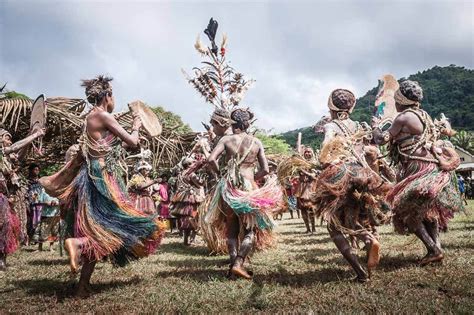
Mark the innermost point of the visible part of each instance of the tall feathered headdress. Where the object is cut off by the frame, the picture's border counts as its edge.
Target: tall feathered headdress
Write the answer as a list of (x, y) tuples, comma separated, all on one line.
[(215, 80)]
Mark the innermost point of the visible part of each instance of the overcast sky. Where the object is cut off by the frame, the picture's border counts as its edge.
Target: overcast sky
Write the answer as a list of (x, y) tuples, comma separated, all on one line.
[(296, 51)]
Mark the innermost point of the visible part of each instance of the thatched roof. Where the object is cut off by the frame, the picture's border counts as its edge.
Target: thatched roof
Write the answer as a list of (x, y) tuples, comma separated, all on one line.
[(64, 126)]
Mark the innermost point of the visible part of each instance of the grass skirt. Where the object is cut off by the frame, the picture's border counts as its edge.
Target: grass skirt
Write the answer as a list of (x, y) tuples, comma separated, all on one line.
[(106, 217), (9, 227), (350, 197), (254, 208), (424, 193)]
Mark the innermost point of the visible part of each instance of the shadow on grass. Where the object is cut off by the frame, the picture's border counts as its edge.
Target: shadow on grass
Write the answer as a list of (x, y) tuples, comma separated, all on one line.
[(391, 263), (198, 263), (306, 279), (460, 245), (181, 249), (463, 227), (48, 262), (194, 274), (63, 290)]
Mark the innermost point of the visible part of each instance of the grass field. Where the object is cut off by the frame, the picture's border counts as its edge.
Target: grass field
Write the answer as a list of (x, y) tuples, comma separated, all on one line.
[(304, 273)]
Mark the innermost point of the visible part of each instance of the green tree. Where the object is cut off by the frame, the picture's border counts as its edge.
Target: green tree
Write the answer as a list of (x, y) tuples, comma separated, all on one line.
[(170, 120), (273, 144), (464, 139), (448, 90)]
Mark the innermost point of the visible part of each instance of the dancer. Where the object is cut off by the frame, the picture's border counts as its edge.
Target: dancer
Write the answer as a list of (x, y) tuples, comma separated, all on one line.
[(48, 227), (305, 187), (10, 229), (426, 193), (35, 190), (140, 189), (346, 195), (237, 201), (188, 197), (103, 221)]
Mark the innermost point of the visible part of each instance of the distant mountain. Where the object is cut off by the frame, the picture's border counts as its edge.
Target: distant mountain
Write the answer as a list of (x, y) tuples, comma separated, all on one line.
[(448, 90)]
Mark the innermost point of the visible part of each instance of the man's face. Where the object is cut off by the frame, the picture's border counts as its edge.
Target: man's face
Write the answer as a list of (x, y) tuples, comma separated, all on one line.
[(308, 155), (218, 129)]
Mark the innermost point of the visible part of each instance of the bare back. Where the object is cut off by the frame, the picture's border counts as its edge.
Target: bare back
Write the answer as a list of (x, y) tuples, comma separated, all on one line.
[(407, 125), (247, 150)]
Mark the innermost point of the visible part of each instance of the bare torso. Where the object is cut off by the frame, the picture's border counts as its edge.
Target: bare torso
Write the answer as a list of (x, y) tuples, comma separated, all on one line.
[(408, 125), (342, 128), (242, 146)]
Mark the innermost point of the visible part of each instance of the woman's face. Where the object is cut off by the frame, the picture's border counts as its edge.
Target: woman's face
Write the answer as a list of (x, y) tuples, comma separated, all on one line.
[(144, 172), (7, 141)]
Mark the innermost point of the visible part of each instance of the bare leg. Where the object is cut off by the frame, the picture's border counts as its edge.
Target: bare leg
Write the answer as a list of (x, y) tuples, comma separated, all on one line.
[(312, 220), (345, 248), (433, 230), (434, 253), (245, 248), (232, 236), (3, 262), (74, 247), (186, 236), (298, 212), (372, 246), (83, 288), (304, 214), (192, 236)]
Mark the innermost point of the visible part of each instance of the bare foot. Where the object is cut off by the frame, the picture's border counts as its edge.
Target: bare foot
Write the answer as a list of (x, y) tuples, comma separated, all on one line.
[(73, 247), (82, 292), (431, 258), (239, 271), (373, 255)]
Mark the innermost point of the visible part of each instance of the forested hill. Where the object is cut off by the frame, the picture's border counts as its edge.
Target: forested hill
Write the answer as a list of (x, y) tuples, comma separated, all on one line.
[(448, 90)]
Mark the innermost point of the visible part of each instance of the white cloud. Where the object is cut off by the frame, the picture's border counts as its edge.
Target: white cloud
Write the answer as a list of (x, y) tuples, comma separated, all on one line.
[(297, 51)]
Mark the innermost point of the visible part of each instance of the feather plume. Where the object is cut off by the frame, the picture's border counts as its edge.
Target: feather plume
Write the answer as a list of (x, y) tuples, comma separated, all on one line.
[(199, 46)]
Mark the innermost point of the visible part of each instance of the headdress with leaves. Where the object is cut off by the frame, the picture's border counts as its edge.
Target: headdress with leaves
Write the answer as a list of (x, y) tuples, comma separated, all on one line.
[(219, 83)]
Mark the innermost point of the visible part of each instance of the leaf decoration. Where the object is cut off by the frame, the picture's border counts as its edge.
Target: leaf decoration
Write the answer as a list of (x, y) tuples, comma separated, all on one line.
[(219, 83)]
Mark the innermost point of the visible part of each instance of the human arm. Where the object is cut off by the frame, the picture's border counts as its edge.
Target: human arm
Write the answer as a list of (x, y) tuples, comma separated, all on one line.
[(213, 158), (382, 137), (262, 161), (131, 139), (17, 146), (196, 180)]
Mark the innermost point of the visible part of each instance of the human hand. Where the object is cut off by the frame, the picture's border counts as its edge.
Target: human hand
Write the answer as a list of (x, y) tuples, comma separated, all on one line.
[(137, 123), (40, 132)]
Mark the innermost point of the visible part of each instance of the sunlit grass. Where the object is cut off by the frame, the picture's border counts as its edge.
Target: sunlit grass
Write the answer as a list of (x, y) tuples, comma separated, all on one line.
[(303, 273)]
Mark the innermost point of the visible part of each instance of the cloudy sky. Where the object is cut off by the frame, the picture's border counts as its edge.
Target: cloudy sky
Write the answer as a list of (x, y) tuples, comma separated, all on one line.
[(296, 51)]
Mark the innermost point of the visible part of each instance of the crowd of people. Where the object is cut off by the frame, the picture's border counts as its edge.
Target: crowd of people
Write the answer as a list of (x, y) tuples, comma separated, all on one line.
[(226, 187)]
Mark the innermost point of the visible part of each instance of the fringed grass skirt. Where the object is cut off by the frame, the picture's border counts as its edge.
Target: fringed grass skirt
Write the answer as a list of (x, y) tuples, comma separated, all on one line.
[(350, 197), (424, 193), (9, 227), (106, 217), (254, 208)]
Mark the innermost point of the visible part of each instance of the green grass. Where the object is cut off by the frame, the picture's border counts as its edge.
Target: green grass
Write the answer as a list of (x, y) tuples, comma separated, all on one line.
[(304, 273)]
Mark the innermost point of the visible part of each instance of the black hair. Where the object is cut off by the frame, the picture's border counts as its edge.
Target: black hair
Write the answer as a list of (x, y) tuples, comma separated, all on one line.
[(241, 119)]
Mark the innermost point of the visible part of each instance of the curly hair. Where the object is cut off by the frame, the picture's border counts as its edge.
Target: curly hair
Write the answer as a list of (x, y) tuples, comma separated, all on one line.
[(343, 99), (411, 90), (97, 88), (242, 118)]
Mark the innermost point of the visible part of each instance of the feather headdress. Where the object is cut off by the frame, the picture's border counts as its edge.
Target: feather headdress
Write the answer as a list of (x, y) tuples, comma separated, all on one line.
[(216, 80)]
